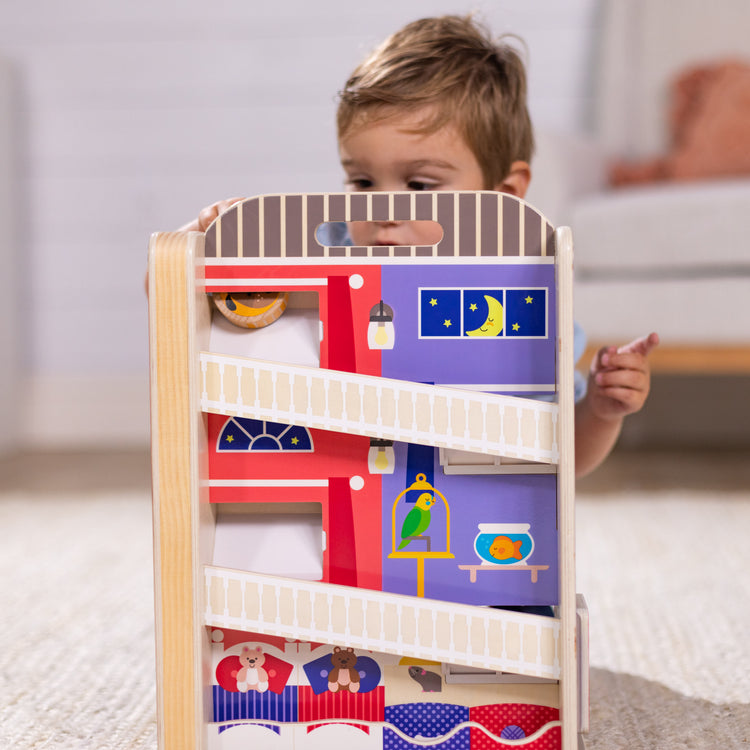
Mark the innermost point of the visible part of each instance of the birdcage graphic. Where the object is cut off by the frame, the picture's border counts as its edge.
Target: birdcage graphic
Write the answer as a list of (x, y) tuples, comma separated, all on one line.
[(414, 525)]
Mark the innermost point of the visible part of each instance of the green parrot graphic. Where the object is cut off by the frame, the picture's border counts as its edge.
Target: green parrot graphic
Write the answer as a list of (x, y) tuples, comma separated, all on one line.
[(417, 519)]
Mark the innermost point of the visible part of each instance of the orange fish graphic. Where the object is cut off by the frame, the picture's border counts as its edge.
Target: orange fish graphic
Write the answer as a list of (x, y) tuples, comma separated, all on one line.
[(503, 548)]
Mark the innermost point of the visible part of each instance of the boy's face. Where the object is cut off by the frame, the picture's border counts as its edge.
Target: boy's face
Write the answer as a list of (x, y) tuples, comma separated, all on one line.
[(389, 155)]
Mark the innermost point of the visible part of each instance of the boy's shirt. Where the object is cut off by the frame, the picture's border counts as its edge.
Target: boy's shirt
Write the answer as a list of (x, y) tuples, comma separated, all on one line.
[(336, 234)]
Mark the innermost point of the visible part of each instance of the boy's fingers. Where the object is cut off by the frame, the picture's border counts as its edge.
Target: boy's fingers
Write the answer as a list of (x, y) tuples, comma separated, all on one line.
[(210, 213), (627, 361), (602, 357), (627, 398), (227, 204), (642, 345), (206, 216), (630, 379)]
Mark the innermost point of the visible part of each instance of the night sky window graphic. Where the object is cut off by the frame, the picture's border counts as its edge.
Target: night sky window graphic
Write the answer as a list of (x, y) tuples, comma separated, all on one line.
[(483, 313), (526, 312), (242, 434), (439, 313)]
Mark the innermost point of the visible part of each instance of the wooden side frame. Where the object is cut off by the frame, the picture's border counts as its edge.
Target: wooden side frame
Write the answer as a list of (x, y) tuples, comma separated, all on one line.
[(179, 320), (566, 491)]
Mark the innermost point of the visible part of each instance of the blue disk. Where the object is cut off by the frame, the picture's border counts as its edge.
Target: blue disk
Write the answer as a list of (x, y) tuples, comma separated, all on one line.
[(512, 732)]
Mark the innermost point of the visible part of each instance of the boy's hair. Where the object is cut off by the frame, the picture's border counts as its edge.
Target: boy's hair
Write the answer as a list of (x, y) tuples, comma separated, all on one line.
[(453, 66)]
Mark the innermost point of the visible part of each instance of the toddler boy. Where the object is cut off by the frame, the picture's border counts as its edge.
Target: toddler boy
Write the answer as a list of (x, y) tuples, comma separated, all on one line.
[(440, 105)]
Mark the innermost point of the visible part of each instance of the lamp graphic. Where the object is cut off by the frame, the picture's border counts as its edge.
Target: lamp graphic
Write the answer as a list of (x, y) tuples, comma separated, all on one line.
[(380, 457), (380, 331)]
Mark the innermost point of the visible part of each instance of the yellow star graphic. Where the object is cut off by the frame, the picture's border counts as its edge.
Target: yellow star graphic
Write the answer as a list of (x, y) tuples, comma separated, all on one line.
[(447, 324), (472, 306), (516, 327), (230, 438), (529, 300), (433, 302), (295, 441)]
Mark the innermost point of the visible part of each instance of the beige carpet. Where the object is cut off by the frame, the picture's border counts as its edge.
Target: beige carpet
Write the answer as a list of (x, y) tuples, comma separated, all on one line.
[(667, 580), (666, 577)]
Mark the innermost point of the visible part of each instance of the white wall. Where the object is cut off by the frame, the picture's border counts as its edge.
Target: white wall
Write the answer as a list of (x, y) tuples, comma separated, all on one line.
[(133, 115), (9, 274)]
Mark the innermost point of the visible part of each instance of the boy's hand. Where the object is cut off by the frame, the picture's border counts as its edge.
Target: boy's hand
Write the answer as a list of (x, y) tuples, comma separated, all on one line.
[(208, 214), (205, 217), (620, 379)]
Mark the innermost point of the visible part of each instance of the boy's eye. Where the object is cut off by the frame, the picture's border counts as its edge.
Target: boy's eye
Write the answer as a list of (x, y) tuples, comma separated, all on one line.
[(360, 183), (418, 185)]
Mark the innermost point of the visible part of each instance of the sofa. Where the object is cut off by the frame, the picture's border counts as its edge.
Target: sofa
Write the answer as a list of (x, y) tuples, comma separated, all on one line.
[(671, 255)]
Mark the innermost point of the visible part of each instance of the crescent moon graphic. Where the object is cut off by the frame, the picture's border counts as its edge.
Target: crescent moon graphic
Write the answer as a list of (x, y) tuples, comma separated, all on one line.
[(493, 325)]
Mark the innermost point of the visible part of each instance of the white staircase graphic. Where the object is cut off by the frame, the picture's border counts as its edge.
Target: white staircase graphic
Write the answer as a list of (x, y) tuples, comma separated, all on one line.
[(380, 407), (386, 623)]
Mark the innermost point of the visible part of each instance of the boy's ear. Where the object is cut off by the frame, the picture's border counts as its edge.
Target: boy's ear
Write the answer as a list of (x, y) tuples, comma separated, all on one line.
[(516, 182)]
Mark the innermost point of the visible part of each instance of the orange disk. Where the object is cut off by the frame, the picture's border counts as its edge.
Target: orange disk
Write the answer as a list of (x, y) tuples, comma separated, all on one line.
[(251, 309)]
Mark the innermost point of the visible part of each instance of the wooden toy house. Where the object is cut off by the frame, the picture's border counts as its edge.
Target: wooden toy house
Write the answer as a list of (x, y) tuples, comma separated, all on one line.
[(364, 522)]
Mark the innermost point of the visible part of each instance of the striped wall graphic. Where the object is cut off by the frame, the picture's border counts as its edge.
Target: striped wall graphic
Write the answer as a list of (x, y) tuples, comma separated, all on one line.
[(475, 224), (369, 706), (387, 623), (297, 703), (228, 706), (380, 407)]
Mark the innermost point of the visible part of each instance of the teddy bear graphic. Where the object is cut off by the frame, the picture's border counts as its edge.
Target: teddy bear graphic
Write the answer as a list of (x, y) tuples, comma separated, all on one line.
[(343, 676), (252, 675)]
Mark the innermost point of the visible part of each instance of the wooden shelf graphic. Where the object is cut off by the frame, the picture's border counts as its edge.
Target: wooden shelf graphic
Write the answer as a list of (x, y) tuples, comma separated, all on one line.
[(474, 569)]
